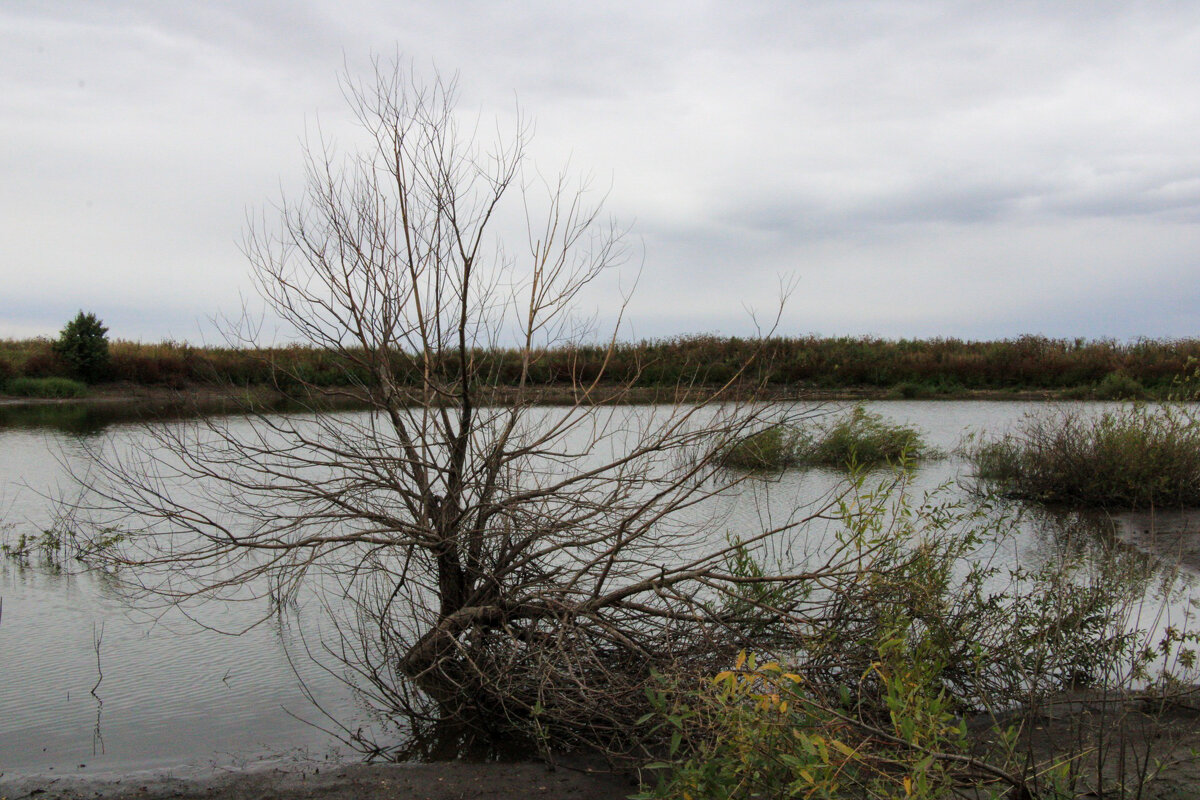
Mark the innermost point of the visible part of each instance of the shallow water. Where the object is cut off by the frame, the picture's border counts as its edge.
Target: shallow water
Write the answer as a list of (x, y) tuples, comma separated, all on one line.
[(90, 684)]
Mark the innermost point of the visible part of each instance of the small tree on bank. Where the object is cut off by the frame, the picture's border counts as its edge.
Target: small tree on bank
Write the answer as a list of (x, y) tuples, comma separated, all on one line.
[(83, 345), (491, 559)]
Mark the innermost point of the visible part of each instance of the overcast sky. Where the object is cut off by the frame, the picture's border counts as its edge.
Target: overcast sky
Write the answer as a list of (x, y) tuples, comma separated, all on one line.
[(969, 169)]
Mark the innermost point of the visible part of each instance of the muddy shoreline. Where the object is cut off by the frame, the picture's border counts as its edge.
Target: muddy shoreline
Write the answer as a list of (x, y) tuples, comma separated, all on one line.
[(1146, 743), (204, 397), (452, 780)]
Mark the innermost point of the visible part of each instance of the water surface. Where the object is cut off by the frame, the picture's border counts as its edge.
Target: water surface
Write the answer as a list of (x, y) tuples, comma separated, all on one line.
[(90, 683)]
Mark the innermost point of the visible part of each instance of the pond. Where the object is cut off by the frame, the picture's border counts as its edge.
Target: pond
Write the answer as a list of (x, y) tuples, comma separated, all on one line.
[(91, 684)]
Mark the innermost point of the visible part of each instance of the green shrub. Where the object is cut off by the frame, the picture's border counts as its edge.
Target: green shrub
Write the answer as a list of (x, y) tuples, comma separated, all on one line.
[(1119, 386), (83, 344), (755, 731), (1137, 457), (909, 390), (45, 387)]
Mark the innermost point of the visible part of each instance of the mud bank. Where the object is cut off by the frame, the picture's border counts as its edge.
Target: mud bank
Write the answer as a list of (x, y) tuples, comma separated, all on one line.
[(455, 780)]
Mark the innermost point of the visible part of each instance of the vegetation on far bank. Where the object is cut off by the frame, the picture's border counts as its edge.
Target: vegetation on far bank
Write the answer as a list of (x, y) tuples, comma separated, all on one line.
[(903, 369), (1131, 457), (58, 388)]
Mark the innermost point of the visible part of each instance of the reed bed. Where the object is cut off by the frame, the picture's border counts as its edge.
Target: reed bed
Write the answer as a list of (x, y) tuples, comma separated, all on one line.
[(909, 368)]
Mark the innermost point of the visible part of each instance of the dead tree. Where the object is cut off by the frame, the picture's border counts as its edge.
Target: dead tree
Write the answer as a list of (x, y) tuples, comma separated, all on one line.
[(527, 564)]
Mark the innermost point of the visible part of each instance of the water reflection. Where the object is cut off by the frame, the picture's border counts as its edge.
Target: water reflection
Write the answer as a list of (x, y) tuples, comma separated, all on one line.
[(1173, 536), (91, 417), (1146, 549), (66, 417)]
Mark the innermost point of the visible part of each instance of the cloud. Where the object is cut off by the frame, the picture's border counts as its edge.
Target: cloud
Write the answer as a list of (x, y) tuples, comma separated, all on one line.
[(925, 168)]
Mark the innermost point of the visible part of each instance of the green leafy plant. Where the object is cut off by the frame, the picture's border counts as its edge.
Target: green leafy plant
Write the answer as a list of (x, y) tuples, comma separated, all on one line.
[(1120, 386), (891, 659), (83, 345)]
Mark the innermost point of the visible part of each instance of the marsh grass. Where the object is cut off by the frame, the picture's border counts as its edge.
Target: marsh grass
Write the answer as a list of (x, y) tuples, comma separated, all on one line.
[(1127, 458), (855, 439), (861, 438), (776, 447), (60, 388)]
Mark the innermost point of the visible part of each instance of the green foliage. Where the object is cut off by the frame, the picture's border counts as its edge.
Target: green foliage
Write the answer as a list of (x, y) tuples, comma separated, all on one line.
[(48, 545), (45, 387), (896, 652), (1135, 457), (861, 438), (1119, 386), (53, 546), (755, 730), (83, 345), (753, 604), (909, 390), (775, 447)]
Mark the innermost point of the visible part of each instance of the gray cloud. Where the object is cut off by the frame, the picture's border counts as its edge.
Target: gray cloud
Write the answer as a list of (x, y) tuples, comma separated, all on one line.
[(927, 168)]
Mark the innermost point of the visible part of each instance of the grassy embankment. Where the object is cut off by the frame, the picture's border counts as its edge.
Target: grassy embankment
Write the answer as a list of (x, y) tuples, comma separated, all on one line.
[(877, 367)]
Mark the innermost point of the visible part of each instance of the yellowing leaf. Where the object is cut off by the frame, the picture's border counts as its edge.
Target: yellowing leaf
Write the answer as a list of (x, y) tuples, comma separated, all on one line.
[(842, 747)]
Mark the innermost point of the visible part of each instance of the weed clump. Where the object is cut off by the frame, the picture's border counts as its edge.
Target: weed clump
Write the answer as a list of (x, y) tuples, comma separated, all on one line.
[(1119, 386), (1136, 457)]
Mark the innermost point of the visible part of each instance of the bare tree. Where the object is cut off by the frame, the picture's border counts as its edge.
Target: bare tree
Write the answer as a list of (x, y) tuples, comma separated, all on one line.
[(524, 564)]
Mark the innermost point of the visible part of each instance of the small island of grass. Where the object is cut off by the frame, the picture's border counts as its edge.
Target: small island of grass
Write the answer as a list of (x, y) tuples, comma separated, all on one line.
[(855, 439), (1123, 458)]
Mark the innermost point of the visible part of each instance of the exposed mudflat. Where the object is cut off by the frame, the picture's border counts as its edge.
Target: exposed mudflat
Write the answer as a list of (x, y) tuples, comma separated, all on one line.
[(455, 780), (1147, 746)]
